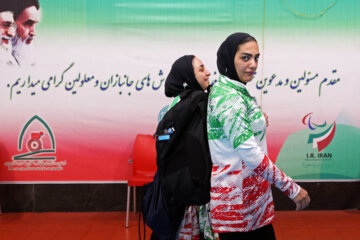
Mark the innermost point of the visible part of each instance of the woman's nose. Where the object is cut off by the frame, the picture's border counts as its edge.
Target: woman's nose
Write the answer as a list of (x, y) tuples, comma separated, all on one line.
[(253, 64)]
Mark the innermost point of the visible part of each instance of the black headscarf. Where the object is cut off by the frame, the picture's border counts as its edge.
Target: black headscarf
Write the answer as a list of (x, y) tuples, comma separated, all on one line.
[(226, 55), (181, 77)]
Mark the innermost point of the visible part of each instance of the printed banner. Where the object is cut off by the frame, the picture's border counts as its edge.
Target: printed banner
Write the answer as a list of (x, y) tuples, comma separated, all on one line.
[(80, 79)]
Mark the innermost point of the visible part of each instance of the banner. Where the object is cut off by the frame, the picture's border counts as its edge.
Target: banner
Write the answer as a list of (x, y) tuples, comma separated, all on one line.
[(92, 78)]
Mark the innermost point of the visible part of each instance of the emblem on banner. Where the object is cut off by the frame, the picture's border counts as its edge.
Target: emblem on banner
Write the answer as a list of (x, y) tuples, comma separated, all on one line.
[(34, 142), (36, 147), (322, 135)]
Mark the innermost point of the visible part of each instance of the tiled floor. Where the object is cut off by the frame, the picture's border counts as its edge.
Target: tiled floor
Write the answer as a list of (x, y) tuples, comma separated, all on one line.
[(289, 225), (318, 225)]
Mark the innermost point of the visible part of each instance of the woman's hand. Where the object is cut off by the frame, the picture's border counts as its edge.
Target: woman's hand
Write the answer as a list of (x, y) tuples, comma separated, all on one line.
[(302, 200)]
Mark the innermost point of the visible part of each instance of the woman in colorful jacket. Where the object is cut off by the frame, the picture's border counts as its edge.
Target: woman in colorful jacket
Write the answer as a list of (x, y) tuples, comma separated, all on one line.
[(241, 200)]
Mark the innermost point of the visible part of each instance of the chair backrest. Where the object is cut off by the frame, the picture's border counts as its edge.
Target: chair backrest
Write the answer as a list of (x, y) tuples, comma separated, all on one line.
[(144, 156)]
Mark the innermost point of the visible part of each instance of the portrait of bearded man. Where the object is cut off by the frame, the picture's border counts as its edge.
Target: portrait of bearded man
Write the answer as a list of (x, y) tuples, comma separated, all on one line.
[(26, 14), (7, 33)]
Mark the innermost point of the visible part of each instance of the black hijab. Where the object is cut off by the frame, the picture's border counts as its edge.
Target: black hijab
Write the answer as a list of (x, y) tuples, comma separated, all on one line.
[(181, 77), (226, 54)]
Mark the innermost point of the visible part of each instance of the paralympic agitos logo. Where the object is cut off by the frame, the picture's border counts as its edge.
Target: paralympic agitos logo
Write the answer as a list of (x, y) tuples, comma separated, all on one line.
[(322, 135)]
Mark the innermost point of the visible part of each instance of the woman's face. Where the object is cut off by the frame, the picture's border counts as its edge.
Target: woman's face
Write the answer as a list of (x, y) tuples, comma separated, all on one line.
[(201, 73), (246, 61)]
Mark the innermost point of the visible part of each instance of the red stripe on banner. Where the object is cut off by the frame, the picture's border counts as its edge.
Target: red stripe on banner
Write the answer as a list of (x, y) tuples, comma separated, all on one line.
[(323, 144)]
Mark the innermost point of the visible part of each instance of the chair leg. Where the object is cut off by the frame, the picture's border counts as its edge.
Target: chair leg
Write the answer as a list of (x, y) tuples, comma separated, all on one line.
[(128, 206), (134, 199)]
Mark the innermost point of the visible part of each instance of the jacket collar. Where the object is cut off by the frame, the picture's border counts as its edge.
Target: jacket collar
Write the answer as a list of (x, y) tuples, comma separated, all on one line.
[(238, 86)]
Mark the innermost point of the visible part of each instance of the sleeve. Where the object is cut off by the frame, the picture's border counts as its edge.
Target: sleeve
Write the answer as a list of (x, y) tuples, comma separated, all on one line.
[(231, 112)]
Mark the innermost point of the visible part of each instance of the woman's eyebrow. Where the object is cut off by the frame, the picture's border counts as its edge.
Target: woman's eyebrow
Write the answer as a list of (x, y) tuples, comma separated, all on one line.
[(250, 55)]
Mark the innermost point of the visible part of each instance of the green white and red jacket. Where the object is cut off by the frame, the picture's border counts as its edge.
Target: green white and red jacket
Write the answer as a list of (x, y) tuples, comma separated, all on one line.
[(241, 198)]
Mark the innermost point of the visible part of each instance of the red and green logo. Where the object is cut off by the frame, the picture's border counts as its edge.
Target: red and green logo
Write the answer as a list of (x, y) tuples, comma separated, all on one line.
[(36, 141), (322, 135)]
